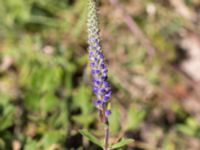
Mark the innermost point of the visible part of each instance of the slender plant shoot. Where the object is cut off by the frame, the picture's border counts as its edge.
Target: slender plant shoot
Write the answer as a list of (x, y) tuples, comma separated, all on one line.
[(101, 87)]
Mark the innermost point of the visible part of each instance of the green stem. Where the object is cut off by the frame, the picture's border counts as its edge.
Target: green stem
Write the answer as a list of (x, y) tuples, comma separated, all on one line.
[(106, 138)]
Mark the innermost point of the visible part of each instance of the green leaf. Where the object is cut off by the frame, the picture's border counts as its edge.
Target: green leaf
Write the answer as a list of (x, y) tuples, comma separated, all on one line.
[(135, 117), (84, 95), (84, 119), (6, 112), (91, 138), (121, 143), (186, 130), (114, 119), (52, 137), (2, 144), (30, 144), (48, 102)]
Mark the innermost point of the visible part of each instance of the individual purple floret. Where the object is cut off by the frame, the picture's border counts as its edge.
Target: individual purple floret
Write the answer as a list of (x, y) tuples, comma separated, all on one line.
[(108, 112)]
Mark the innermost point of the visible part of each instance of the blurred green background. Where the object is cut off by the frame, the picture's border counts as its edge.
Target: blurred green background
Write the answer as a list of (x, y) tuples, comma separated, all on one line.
[(45, 84)]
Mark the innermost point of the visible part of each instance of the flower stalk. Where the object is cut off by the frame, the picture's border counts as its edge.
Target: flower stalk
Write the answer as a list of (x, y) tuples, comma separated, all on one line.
[(101, 87)]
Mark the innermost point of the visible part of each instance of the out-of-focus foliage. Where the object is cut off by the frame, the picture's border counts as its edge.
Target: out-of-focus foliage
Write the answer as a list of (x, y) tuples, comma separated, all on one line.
[(45, 85)]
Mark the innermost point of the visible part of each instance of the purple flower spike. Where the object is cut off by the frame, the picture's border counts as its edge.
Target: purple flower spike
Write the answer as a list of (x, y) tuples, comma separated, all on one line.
[(99, 72)]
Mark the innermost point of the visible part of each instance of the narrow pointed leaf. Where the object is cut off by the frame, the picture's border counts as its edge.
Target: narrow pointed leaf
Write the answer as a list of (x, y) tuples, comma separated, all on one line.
[(121, 143), (91, 137)]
